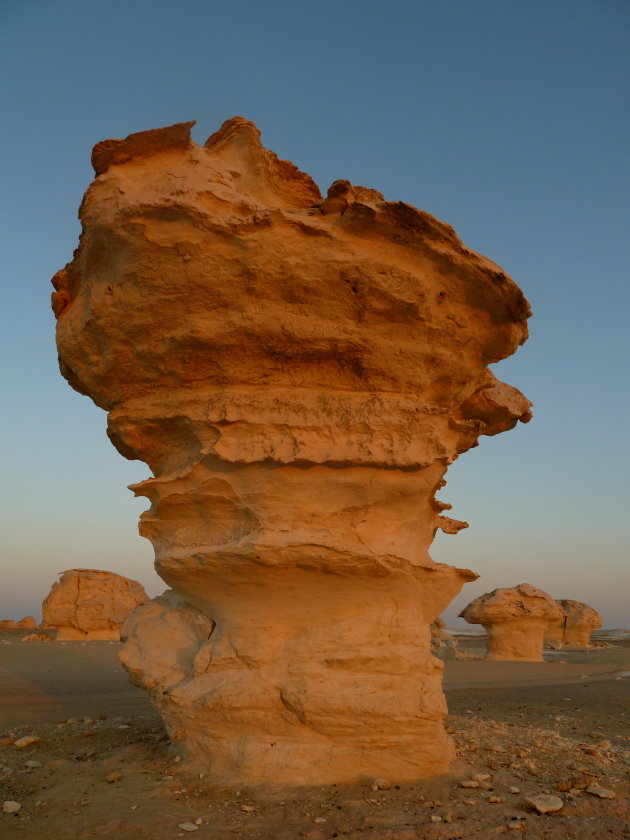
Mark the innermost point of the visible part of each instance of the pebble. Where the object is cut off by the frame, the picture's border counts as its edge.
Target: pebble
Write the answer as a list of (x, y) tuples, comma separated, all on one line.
[(11, 807), (603, 793), (114, 776), (188, 826), (480, 777), (469, 783), (494, 799), (247, 808), (545, 804), (516, 826), (26, 741), (514, 790), (33, 765), (381, 784), (435, 818), (319, 820)]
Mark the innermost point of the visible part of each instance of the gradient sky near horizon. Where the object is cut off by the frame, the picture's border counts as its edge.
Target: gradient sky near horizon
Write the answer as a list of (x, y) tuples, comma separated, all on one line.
[(510, 121)]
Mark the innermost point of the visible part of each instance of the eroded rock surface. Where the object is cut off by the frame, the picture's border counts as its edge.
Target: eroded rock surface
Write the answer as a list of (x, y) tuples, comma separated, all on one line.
[(575, 627), (90, 604), (515, 619), (298, 373)]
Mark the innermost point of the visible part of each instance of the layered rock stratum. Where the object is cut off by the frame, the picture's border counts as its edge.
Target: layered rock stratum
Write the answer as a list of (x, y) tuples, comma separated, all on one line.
[(575, 627), (516, 620), (298, 372), (90, 604)]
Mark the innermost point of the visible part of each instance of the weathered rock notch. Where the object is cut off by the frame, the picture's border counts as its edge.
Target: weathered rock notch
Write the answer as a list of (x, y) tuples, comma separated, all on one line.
[(516, 620), (575, 627), (298, 373), (90, 604)]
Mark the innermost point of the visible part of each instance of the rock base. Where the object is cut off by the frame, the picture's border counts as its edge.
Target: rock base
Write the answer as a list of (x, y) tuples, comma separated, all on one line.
[(336, 685)]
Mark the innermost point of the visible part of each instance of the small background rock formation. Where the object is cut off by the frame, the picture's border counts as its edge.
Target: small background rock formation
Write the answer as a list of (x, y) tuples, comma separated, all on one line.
[(443, 643), (439, 631), (515, 620), (298, 373), (575, 628), (90, 604), (26, 623)]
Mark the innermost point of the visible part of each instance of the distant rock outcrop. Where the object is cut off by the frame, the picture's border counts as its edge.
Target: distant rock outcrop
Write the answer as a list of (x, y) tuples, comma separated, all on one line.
[(515, 620), (90, 604), (443, 643), (298, 371), (27, 623), (575, 627), (7, 624)]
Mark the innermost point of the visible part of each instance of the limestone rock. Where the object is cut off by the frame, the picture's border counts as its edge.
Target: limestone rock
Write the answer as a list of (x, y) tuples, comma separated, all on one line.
[(298, 373), (27, 623), (438, 631), (515, 620), (575, 627), (545, 803), (443, 643), (90, 604), (601, 792)]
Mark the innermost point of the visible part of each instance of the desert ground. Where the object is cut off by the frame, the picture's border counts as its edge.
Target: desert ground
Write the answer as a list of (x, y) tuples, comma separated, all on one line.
[(97, 763)]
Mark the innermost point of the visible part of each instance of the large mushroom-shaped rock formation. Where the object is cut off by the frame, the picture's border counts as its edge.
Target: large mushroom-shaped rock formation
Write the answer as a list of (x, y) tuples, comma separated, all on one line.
[(90, 604), (515, 620), (575, 627), (298, 373)]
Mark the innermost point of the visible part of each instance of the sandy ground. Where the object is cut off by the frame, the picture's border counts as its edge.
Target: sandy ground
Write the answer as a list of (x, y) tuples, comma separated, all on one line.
[(103, 766)]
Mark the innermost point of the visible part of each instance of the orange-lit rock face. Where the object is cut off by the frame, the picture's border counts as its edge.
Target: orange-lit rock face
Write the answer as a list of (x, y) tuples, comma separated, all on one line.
[(576, 626), (516, 620), (298, 373), (90, 604)]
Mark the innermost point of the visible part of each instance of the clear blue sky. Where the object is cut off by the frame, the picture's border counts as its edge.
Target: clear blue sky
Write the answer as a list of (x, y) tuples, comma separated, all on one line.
[(509, 120)]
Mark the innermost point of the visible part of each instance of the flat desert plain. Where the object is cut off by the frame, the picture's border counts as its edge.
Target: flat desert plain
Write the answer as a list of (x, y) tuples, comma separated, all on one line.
[(96, 762)]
